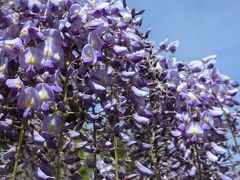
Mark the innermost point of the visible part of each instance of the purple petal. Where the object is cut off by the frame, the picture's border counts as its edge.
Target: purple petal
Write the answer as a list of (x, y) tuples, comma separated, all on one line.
[(120, 50), (41, 175), (131, 176), (136, 56), (98, 87), (37, 138), (29, 98), (107, 160), (74, 135), (31, 57), (45, 92), (128, 74), (216, 111), (95, 24), (95, 40), (88, 54), (218, 149), (193, 171), (211, 156), (138, 92), (141, 119), (15, 83), (51, 124), (143, 170), (9, 154), (176, 133)]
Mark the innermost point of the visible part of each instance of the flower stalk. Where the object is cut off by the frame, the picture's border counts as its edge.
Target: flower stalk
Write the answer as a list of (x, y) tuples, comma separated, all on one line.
[(18, 152), (116, 157), (196, 157), (60, 140)]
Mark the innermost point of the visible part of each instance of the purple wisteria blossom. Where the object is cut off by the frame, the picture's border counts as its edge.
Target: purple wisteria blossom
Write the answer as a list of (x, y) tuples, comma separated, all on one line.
[(89, 56), (29, 100), (30, 60), (46, 94), (84, 94)]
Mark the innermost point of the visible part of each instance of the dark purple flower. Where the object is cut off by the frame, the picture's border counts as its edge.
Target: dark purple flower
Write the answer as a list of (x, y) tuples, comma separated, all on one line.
[(11, 46), (42, 175), (79, 11), (24, 34), (30, 59), (15, 83), (194, 131), (94, 38), (211, 156), (207, 120), (120, 50), (57, 84), (138, 92), (45, 92), (173, 46), (52, 124), (3, 64), (88, 54), (52, 53), (136, 56), (143, 170), (96, 24), (37, 138), (29, 100), (218, 149), (216, 111), (141, 119)]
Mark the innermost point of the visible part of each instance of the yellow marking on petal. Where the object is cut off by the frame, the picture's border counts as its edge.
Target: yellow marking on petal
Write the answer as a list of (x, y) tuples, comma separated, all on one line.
[(203, 88), (89, 54), (8, 45), (25, 31), (159, 67), (46, 12), (29, 103), (49, 38), (48, 52), (174, 78), (78, 12), (94, 44), (187, 120), (92, 25), (192, 96), (2, 67), (179, 88), (206, 119), (194, 131), (126, 17), (51, 126), (43, 95), (31, 60), (56, 82), (18, 85)]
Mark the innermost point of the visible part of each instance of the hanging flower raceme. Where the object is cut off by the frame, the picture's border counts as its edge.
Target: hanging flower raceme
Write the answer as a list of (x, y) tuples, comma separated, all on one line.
[(85, 95)]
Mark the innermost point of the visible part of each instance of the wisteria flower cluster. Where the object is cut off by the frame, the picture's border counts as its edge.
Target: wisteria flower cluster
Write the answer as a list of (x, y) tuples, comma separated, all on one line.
[(85, 95)]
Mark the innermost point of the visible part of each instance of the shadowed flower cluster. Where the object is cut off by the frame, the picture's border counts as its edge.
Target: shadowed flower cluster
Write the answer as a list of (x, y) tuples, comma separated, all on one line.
[(85, 94)]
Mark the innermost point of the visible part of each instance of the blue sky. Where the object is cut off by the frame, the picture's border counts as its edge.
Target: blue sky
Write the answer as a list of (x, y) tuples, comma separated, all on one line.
[(203, 27)]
